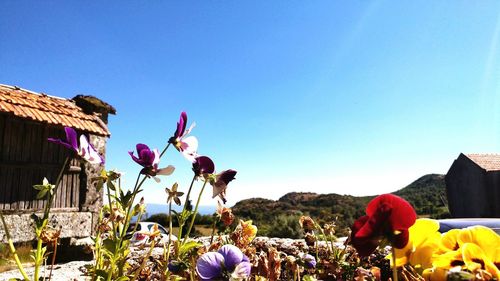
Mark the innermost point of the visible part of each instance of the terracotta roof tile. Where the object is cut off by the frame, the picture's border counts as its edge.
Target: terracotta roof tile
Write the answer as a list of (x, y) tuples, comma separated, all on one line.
[(53, 110), (489, 162)]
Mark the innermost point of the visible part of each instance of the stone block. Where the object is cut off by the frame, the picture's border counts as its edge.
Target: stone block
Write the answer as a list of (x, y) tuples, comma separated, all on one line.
[(72, 224)]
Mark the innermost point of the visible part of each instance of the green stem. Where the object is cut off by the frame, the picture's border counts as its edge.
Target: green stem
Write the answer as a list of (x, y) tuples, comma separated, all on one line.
[(127, 222), (394, 267), (112, 212), (46, 213), (53, 259), (13, 249), (38, 258), (129, 208), (195, 212), (110, 272), (169, 231), (165, 150), (214, 224), (181, 219), (51, 197)]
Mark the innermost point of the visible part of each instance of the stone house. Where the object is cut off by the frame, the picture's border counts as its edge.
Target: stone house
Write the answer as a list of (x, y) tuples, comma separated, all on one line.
[(473, 186), (27, 119)]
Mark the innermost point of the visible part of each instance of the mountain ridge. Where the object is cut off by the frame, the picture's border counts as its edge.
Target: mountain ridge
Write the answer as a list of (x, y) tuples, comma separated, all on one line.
[(427, 195)]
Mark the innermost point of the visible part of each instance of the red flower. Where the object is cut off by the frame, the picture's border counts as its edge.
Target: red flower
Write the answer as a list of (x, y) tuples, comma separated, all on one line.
[(387, 216)]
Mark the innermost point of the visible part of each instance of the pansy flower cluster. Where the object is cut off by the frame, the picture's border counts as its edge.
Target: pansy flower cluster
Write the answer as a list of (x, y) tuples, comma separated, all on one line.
[(471, 253)]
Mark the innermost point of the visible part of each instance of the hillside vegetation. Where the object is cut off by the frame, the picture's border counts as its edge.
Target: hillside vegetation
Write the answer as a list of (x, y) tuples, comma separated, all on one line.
[(280, 218)]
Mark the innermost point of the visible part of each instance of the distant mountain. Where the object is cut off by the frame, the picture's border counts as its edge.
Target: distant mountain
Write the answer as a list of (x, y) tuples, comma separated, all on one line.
[(152, 209), (427, 195)]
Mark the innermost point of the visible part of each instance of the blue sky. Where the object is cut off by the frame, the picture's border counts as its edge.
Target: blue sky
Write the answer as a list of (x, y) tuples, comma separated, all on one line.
[(351, 97)]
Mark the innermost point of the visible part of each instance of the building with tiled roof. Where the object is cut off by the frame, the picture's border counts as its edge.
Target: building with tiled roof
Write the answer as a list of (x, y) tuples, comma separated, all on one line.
[(488, 162), (27, 119), (43, 108), (473, 186)]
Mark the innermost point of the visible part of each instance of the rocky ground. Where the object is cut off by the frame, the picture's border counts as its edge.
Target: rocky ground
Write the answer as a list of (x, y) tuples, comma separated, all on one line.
[(72, 271), (75, 271)]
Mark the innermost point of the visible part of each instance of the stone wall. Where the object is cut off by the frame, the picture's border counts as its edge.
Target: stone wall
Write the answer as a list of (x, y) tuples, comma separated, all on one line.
[(72, 224), (91, 199)]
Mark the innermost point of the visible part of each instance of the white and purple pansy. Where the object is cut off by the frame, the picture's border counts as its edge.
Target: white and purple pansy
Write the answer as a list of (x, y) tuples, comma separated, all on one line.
[(149, 159), (188, 146), (85, 150), (229, 263)]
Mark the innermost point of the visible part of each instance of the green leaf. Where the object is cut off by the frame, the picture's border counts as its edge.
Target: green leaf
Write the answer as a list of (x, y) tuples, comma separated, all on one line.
[(184, 249), (123, 278), (309, 278), (109, 245), (41, 194), (37, 220), (111, 185), (100, 184), (102, 274), (39, 187)]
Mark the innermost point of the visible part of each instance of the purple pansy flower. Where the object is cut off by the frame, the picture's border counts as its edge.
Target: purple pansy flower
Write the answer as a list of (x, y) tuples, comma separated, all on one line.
[(86, 151), (149, 159), (203, 165), (227, 263), (308, 260), (188, 146), (220, 184)]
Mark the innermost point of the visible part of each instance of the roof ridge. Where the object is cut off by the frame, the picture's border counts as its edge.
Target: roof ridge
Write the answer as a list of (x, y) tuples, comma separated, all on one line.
[(487, 161), (32, 92), (41, 107)]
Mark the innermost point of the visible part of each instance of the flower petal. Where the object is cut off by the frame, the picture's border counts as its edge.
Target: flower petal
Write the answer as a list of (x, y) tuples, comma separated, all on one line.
[(449, 241), (218, 188), (181, 125), (476, 258), (189, 148), (482, 236), (166, 171), (189, 144), (136, 160), (61, 142), (156, 158), (203, 165), (140, 147), (232, 256), (189, 130), (71, 136), (226, 176), (88, 151), (209, 265), (242, 270), (364, 245), (402, 215)]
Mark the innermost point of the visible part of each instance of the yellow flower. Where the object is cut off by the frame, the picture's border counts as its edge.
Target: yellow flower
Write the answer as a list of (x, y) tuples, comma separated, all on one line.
[(475, 249), (423, 242), (483, 237), (249, 230), (448, 260), (475, 258), (449, 241)]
